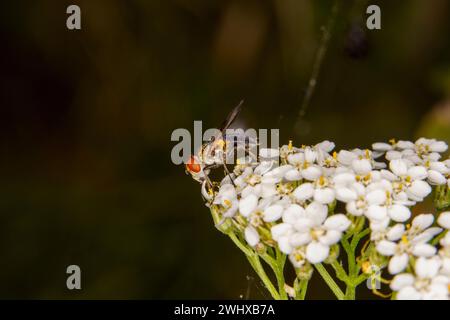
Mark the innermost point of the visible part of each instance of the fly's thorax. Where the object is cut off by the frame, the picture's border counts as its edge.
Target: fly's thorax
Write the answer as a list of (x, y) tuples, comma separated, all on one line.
[(213, 152)]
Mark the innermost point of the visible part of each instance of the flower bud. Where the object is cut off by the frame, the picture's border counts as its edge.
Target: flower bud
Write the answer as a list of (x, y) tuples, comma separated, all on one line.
[(304, 272), (261, 248), (333, 255)]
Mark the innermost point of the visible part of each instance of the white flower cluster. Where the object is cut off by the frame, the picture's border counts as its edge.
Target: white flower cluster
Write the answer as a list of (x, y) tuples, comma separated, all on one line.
[(429, 277), (289, 198)]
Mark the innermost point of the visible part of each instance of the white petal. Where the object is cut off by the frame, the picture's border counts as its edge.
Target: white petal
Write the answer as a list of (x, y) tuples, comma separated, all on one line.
[(376, 213), (404, 144), (345, 194), (380, 225), (346, 157), (445, 270), (251, 236), (292, 213), (231, 211), (293, 175), (304, 191), (439, 166), (434, 156), (402, 280), (361, 166), (337, 222), (398, 167), (408, 293), (311, 173), (264, 167), (444, 220), (268, 190), (398, 263), (296, 158), (436, 178), (280, 230), (324, 196), (273, 213), (284, 245), (310, 155), (419, 189), (381, 146), (353, 209), (399, 213), (376, 197), (331, 237), (424, 250), (396, 232), (344, 178), (386, 248), (445, 241), (438, 146), (316, 252), (317, 212), (304, 224), (279, 172), (299, 239), (385, 174), (417, 172), (248, 205), (426, 235), (326, 145), (436, 292), (268, 153), (427, 268), (423, 221), (256, 190)]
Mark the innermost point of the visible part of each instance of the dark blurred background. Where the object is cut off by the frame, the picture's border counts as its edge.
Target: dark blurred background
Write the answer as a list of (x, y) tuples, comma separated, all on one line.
[(86, 118)]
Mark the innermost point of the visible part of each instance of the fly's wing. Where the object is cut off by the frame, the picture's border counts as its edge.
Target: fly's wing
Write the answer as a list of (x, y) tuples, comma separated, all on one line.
[(231, 117), (240, 144), (239, 138)]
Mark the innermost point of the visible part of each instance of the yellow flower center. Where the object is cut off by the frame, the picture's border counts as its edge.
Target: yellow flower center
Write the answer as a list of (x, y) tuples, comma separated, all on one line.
[(290, 145), (366, 267), (405, 239)]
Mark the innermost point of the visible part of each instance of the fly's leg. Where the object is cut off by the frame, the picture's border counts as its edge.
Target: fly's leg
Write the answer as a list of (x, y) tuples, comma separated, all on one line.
[(224, 164), (227, 173), (208, 180)]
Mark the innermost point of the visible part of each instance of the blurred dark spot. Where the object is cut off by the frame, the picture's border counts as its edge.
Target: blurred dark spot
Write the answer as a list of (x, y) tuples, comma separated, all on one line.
[(356, 43), (35, 96)]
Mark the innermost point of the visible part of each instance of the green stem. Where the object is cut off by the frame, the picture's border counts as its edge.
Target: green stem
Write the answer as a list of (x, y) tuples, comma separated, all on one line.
[(304, 289), (329, 281), (279, 273), (300, 287), (340, 272), (358, 237), (277, 266), (350, 257), (350, 292), (253, 258), (361, 278), (353, 277), (240, 245)]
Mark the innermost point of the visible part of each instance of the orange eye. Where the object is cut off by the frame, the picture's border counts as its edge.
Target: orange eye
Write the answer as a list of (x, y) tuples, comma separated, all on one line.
[(192, 166)]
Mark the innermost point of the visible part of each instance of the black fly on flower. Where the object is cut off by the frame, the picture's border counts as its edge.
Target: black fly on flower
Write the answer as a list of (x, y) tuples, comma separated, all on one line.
[(220, 151)]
